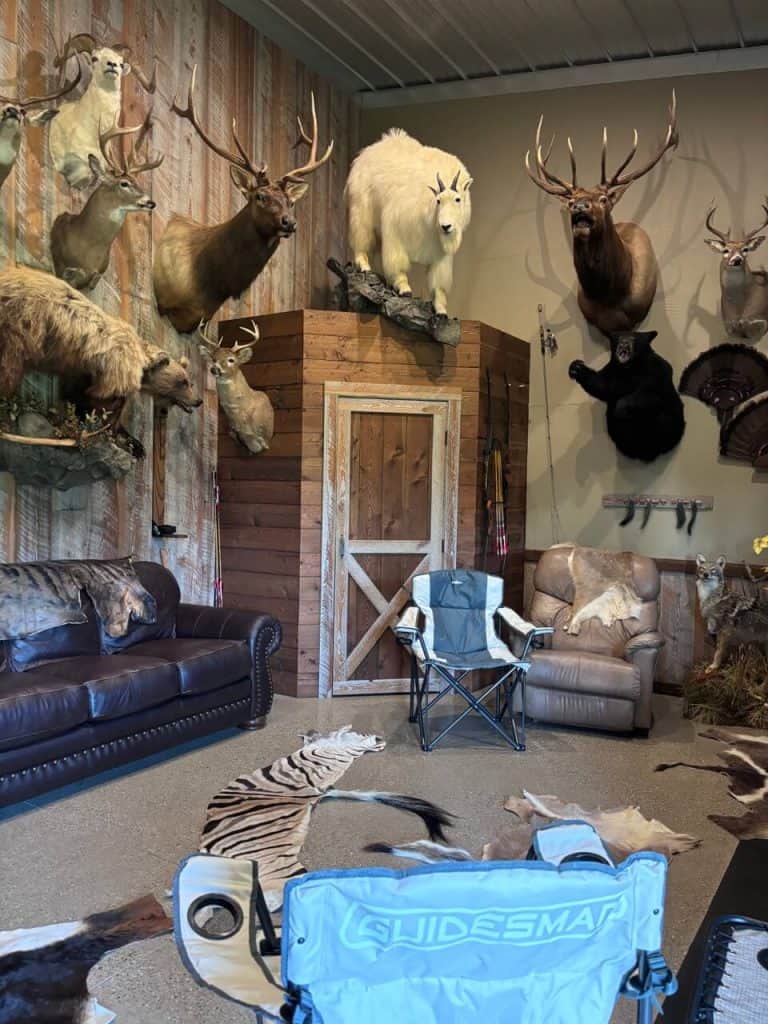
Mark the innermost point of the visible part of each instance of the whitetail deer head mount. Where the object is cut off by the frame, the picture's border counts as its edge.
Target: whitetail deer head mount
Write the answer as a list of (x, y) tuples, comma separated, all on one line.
[(81, 122), (249, 413), (197, 268), (81, 243), (615, 263), (743, 291), (16, 114)]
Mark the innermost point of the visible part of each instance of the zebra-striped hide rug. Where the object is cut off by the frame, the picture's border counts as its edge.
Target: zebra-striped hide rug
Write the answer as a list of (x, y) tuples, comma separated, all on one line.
[(264, 816), (745, 763)]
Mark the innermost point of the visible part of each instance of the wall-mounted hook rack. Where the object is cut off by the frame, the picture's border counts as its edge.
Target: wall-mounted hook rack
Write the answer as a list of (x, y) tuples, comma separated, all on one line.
[(704, 503)]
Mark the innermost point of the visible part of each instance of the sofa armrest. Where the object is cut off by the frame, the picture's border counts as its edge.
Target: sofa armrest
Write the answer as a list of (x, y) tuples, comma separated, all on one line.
[(260, 631), (642, 651)]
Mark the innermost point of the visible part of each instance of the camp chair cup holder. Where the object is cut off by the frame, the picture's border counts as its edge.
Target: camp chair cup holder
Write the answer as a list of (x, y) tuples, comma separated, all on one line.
[(450, 630)]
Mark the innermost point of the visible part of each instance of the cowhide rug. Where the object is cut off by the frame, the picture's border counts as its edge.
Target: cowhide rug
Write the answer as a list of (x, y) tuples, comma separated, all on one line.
[(44, 971), (745, 763)]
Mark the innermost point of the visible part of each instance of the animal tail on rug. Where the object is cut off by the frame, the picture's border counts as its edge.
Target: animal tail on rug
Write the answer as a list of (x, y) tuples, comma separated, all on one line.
[(423, 850), (434, 817), (696, 767)]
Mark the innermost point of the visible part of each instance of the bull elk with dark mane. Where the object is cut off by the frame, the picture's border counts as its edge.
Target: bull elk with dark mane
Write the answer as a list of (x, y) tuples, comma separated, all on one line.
[(199, 267), (615, 263)]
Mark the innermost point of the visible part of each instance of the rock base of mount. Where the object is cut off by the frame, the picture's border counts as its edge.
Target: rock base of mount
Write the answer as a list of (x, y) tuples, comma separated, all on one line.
[(63, 468), (362, 291)]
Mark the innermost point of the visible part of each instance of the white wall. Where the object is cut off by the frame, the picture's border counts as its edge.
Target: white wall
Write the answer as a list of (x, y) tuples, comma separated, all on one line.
[(517, 253)]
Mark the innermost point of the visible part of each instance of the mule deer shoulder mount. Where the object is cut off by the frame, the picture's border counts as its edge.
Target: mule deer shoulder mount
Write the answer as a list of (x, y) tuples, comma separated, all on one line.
[(81, 242), (743, 291), (16, 114), (615, 263), (197, 267), (249, 412)]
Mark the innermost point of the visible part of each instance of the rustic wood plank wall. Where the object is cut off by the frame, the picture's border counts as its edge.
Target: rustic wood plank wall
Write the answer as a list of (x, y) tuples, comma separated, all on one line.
[(242, 74), (272, 503), (680, 622)]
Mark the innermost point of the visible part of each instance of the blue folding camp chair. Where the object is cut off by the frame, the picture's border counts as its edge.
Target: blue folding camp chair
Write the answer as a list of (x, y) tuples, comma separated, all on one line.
[(505, 942), (459, 608)]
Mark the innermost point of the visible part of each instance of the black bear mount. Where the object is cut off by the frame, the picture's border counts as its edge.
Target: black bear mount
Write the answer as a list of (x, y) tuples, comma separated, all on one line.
[(645, 413)]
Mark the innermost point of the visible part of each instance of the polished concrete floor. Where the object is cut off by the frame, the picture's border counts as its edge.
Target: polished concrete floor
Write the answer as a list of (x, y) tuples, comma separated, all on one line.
[(99, 844)]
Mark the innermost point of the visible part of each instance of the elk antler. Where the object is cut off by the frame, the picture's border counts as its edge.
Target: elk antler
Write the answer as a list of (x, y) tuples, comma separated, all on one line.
[(671, 139), (242, 161), (298, 174), (543, 177), (147, 84), (49, 98), (724, 236), (84, 42), (752, 234)]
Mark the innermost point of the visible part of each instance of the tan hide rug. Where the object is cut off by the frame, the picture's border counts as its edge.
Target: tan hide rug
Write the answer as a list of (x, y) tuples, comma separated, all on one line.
[(623, 830), (745, 763), (603, 587)]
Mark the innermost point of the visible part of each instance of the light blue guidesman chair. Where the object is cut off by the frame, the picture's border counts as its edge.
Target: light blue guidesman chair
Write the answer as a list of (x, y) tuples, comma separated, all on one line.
[(451, 632), (541, 941)]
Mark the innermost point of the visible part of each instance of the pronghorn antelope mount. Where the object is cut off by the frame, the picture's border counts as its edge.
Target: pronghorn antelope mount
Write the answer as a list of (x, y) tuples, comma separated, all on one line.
[(615, 263), (74, 138), (249, 412), (16, 115), (198, 267), (743, 291), (81, 242)]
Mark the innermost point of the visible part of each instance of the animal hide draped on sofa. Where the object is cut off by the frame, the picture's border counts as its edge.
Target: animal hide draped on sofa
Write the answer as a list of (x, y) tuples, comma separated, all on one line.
[(603, 587), (644, 413), (264, 816), (745, 764), (44, 971)]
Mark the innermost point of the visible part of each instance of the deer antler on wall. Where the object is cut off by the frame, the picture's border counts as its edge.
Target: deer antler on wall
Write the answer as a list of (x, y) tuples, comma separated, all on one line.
[(196, 267), (615, 263), (81, 243), (249, 412)]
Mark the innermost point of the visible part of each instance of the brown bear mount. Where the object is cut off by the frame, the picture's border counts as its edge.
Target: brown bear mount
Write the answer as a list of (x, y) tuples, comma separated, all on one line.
[(47, 325)]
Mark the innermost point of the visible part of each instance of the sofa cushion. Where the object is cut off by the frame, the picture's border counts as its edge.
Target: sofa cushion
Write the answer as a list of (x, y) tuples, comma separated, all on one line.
[(119, 686), (203, 664), (61, 642), (583, 672), (36, 704), (162, 585)]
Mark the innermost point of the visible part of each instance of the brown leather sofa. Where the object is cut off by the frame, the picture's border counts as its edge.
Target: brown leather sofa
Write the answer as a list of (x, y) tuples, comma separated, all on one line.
[(602, 678), (74, 702)]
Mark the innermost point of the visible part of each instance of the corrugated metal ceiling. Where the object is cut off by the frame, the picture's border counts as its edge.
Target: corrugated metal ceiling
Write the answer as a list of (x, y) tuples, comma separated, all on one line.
[(394, 51)]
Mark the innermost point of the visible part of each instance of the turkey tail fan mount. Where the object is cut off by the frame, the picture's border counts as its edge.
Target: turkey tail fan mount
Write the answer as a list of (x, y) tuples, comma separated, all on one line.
[(725, 376), (745, 436)]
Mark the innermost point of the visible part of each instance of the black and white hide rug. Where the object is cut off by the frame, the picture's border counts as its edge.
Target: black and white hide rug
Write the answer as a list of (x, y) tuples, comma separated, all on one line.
[(44, 971)]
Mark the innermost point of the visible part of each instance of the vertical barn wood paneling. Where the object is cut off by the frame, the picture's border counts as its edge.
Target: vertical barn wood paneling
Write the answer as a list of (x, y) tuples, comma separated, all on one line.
[(240, 74), (680, 622), (272, 503)]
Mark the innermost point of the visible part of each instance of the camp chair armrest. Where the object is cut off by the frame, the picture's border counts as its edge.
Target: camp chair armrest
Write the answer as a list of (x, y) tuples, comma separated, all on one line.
[(527, 630), (407, 630)]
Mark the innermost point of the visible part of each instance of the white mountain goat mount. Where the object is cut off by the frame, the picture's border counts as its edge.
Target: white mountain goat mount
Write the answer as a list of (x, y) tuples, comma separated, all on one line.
[(249, 412), (74, 136), (397, 198)]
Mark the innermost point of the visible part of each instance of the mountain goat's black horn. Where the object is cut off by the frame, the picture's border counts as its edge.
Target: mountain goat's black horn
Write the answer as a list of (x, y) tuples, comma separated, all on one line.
[(455, 181), (440, 183)]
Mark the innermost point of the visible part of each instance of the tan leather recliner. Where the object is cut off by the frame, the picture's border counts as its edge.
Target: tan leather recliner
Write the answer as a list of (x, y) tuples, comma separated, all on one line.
[(602, 678)]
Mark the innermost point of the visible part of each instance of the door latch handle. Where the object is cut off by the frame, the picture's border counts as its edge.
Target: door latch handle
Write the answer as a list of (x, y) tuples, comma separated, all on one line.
[(341, 547)]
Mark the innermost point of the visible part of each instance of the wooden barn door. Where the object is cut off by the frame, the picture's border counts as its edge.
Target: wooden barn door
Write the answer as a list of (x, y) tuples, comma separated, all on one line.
[(389, 511)]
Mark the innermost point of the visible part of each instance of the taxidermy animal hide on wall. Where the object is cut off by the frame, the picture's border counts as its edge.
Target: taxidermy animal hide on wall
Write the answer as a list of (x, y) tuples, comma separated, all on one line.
[(44, 971), (743, 292), (249, 412), (197, 268), (46, 325), (16, 115), (645, 414), (745, 763), (397, 197), (74, 137), (81, 242), (731, 618), (615, 263)]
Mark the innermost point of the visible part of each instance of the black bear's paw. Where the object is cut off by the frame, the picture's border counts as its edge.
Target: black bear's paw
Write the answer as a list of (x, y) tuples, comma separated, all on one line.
[(576, 369)]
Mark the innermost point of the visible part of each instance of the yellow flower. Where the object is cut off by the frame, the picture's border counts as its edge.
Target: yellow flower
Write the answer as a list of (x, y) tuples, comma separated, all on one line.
[(759, 544)]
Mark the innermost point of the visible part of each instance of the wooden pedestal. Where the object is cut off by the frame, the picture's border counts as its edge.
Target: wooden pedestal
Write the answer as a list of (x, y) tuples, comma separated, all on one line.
[(272, 503)]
